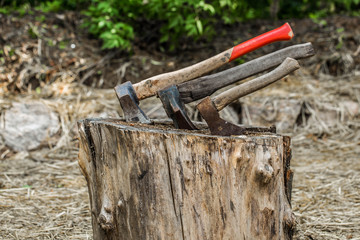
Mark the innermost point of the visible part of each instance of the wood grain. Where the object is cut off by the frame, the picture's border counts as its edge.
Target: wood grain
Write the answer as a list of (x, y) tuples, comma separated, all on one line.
[(150, 183), (205, 86), (225, 98), (150, 86)]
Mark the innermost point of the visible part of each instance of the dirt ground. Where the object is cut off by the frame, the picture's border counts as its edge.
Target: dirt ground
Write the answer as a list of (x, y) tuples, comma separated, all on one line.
[(42, 192)]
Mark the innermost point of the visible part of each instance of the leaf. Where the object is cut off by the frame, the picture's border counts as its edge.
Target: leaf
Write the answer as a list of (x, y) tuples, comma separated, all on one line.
[(340, 30), (209, 8), (164, 38), (38, 91), (175, 21), (206, 7), (104, 6), (106, 35), (101, 24), (199, 26)]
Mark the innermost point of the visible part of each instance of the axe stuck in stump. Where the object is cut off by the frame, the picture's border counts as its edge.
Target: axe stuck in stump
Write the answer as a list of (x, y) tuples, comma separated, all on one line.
[(149, 181), (175, 96), (129, 95), (209, 107)]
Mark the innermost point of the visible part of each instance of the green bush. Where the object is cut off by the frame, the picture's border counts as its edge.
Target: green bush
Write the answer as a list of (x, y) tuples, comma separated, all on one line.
[(118, 22), (105, 20), (45, 5), (316, 8)]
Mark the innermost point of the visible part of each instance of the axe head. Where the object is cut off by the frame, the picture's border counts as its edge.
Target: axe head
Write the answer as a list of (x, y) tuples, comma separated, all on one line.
[(219, 126), (175, 108), (130, 103)]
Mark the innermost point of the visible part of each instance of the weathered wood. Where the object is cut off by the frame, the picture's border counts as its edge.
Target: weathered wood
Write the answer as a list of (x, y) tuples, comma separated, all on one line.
[(156, 183), (149, 87), (225, 98), (205, 86)]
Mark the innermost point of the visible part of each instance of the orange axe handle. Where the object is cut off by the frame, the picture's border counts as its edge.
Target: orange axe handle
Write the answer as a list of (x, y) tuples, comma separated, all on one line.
[(150, 86), (282, 33)]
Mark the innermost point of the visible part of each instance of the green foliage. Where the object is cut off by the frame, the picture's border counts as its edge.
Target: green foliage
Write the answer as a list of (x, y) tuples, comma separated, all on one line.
[(50, 6), (33, 31), (40, 18), (118, 22), (2, 59), (340, 31), (106, 21), (181, 18), (316, 9), (45, 5), (63, 44)]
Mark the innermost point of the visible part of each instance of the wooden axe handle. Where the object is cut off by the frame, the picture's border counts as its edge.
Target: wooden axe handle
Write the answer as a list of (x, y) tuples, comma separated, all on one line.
[(225, 98), (150, 86), (206, 85)]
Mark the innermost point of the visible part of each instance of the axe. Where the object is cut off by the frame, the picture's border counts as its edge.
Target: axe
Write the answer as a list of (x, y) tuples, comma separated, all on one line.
[(209, 107), (175, 96), (129, 95)]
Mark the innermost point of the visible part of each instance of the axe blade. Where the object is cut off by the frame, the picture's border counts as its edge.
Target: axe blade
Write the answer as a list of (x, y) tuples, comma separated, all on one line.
[(130, 103), (175, 109), (219, 126)]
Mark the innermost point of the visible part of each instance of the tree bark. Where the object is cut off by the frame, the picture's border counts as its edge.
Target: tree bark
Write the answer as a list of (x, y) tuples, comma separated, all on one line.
[(153, 182)]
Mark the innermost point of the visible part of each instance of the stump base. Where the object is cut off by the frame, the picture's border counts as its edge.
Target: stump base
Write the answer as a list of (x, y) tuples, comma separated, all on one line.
[(153, 182)]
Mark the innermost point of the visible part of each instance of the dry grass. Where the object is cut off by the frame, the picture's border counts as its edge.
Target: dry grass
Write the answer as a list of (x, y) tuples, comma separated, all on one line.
[(326, 198), (42, 193), (326, 154), (44, 196)]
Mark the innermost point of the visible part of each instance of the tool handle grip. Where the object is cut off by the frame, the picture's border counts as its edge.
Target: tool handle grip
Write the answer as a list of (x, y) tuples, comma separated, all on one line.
[(225, 98), (150, 86), (282, 33), (205, 86)]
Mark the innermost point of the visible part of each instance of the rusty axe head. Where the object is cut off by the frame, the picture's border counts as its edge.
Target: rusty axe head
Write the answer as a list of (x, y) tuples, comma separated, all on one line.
[(174, 97), (175, 108), (219, 126), (209, 108), (129, 95), (130, 103)]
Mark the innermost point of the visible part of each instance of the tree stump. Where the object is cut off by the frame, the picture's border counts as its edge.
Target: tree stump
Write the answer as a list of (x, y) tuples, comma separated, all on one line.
[(154, 182)]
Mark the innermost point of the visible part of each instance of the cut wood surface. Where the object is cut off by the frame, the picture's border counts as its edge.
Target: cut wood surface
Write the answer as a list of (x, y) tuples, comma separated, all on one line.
[(150, 182)]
